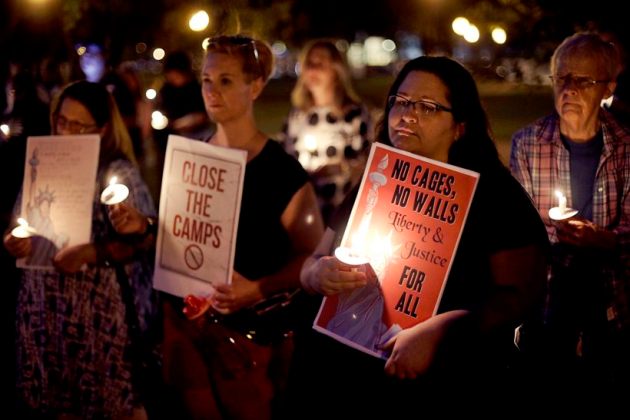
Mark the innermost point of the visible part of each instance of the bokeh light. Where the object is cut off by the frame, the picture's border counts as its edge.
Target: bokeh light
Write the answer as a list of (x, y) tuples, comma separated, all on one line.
[(199, 21)]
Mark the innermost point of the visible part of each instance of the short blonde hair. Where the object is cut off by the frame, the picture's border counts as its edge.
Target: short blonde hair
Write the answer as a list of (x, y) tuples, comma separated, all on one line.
[(256, 55)]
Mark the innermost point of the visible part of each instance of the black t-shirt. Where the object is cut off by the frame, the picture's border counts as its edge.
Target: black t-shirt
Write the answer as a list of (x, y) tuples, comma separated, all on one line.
[(271, 180)]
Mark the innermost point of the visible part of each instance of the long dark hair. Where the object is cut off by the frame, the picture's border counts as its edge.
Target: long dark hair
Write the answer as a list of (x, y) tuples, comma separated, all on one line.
[(475, 149)]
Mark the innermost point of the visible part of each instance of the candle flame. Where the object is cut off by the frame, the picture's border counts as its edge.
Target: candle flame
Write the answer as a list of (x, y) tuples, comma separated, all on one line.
[(384, 246), (559, 194), (22, 222), (113, 180)]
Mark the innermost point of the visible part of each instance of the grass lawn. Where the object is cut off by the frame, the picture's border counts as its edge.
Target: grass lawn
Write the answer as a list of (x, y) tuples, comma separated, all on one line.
[(509, 106)]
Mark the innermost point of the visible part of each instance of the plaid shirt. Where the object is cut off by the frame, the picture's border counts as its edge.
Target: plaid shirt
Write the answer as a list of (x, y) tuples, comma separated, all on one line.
[(541, 163)]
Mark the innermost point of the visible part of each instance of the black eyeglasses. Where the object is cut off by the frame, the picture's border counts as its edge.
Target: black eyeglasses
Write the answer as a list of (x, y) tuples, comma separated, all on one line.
[(579, 82), (424, 107), (73, 126)]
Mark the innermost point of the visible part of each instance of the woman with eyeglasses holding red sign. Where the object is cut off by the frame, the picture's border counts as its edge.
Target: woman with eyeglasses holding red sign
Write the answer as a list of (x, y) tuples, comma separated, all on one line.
[(230, 362), (462, 354)]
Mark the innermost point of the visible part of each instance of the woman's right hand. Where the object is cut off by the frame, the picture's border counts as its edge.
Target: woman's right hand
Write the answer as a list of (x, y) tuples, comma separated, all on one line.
[(18, 247), (329, 276)]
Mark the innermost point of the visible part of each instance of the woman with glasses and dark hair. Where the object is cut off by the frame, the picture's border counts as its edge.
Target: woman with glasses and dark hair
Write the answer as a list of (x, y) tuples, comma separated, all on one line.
[(582, 152), (327, 129), (232, 361), (433, 110), (74, 332)]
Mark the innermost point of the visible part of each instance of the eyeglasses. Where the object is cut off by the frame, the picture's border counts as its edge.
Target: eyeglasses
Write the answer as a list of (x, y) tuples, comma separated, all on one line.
[(226, 43), (73, 126), (576, 81), (424, 107)]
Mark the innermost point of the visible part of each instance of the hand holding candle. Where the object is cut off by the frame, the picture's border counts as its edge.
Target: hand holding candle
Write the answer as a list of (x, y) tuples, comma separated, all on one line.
[(114, 193), (562, 211)]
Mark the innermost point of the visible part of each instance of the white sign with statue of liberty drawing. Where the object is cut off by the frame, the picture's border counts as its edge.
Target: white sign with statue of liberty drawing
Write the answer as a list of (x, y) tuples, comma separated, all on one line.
[(58, 194)]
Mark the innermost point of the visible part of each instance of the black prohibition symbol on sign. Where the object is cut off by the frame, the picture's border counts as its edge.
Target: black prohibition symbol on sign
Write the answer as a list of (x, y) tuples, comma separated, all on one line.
[(193, 256)]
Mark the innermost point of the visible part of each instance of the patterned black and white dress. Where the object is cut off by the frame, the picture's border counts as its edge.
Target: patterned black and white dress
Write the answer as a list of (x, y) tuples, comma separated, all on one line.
[(72, 337), (330, 146)]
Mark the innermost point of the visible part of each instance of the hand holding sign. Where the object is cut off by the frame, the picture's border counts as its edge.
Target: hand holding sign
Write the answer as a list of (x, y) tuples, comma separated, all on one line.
[(201, 189)]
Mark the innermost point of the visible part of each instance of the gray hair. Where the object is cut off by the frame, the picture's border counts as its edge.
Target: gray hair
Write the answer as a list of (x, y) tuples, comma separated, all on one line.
[(589, 45)]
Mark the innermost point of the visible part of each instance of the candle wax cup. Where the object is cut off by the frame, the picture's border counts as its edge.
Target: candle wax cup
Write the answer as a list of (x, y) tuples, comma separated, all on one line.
[(23, 231), (557, 213), (347, 256), (114, 194)]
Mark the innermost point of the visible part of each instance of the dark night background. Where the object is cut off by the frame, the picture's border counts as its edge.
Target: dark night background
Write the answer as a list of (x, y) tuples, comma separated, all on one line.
[(32, 29)]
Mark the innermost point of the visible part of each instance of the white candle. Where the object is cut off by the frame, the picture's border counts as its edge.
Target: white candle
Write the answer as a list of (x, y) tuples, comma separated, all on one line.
[(23, 230), (562, 202), (350, 257), (561, 212), (114, 193)]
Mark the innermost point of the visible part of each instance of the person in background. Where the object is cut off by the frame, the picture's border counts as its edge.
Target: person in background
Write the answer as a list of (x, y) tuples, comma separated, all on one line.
[(144, 145), (619, 103), (231, 362), (141, 135), (74, 329), (583, 153), (180, 98), (25, 115), (96, 66), (327, 129), (463, 353), (180, 101)]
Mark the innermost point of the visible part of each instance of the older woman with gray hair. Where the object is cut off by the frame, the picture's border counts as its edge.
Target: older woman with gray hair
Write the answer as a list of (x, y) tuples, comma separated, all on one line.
[(580, 152)]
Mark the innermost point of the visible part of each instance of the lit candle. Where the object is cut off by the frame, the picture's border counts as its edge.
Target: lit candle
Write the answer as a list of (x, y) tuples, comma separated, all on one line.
[(562, 202), (23, 230), (561, 212), (350, 256), (114, 193)]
